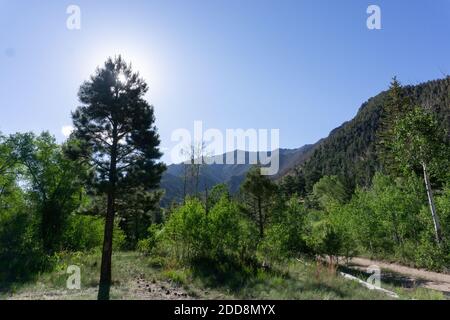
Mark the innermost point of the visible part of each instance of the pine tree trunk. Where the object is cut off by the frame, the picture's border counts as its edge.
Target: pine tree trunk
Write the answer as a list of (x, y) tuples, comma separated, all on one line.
[(437, 225), (105, 270)]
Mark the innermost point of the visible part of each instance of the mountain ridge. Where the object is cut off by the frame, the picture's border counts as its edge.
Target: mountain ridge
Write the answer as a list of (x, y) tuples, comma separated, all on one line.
[(347, 151), (231, 174)]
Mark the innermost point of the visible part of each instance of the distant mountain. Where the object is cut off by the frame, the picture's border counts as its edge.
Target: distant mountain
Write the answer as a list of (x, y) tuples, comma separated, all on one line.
[(348, 151), (231, 174)]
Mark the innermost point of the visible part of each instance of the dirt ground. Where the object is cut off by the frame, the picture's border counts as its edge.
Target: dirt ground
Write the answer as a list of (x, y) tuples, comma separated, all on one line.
[(158, 290), (138, 289), (408, 276)]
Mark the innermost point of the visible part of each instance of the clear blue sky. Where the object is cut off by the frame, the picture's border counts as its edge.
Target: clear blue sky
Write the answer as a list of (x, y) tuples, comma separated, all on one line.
[(301, 66)]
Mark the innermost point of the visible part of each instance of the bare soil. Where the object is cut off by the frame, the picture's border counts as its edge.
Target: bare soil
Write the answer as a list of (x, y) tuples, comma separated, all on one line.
[(137, 289), (409, 277)]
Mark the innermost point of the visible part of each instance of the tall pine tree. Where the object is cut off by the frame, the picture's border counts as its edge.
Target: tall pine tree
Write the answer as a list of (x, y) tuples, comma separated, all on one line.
[(258, 194), (115, 133), (396, 105)]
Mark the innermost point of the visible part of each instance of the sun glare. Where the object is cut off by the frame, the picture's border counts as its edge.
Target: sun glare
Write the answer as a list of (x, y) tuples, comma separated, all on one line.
[(143, 59), (122, 78)]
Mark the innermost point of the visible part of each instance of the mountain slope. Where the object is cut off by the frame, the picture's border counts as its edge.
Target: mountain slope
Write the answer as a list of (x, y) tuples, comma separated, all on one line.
[(231, 174), (349, 150)]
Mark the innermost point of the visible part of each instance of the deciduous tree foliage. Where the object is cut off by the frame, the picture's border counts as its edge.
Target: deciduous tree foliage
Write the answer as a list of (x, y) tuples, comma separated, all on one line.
[(56, 183), (329, 190), (419, 142)]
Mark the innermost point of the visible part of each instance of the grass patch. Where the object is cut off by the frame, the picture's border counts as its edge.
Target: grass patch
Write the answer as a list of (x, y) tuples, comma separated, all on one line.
[(203, 279), (180, 277)]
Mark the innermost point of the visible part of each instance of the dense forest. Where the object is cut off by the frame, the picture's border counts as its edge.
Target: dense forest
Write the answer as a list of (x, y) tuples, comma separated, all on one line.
[(378, 186)]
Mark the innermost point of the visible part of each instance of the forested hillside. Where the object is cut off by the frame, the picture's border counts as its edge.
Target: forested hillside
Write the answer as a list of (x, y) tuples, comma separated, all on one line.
[(350, 150)]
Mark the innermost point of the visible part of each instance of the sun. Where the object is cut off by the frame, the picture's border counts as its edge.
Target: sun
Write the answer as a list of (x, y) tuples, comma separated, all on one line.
[(144, 58), (122, 78)]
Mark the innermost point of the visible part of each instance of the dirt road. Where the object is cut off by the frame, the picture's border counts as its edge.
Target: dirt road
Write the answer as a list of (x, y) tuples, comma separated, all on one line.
[(407, 275)]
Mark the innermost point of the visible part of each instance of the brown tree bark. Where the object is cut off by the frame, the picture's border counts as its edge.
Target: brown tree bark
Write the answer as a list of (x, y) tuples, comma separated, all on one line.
[(105, 269)]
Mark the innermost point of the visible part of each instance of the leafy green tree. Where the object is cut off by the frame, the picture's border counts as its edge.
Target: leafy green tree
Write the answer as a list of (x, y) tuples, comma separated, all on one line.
[(115, 133), (218, 192), (223, 236), (7, 166), (7, 159), (83, 233), (322, 237), (418, 142), (386, 215), (329, 190), (185, 232), (227, 231), (443, 204), (20, 247), (147, 244), (285, 238), (259, 195), (55, 183)]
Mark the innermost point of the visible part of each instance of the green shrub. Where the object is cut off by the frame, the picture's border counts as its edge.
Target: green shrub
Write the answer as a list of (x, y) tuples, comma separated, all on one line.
[(443, 210), (221, 234), (21, 252), (226, 231), (119, 238), (86, 232), (323, 239), (146, 245), (179, 277), (83, 233), (184, 232), (284, 239)]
